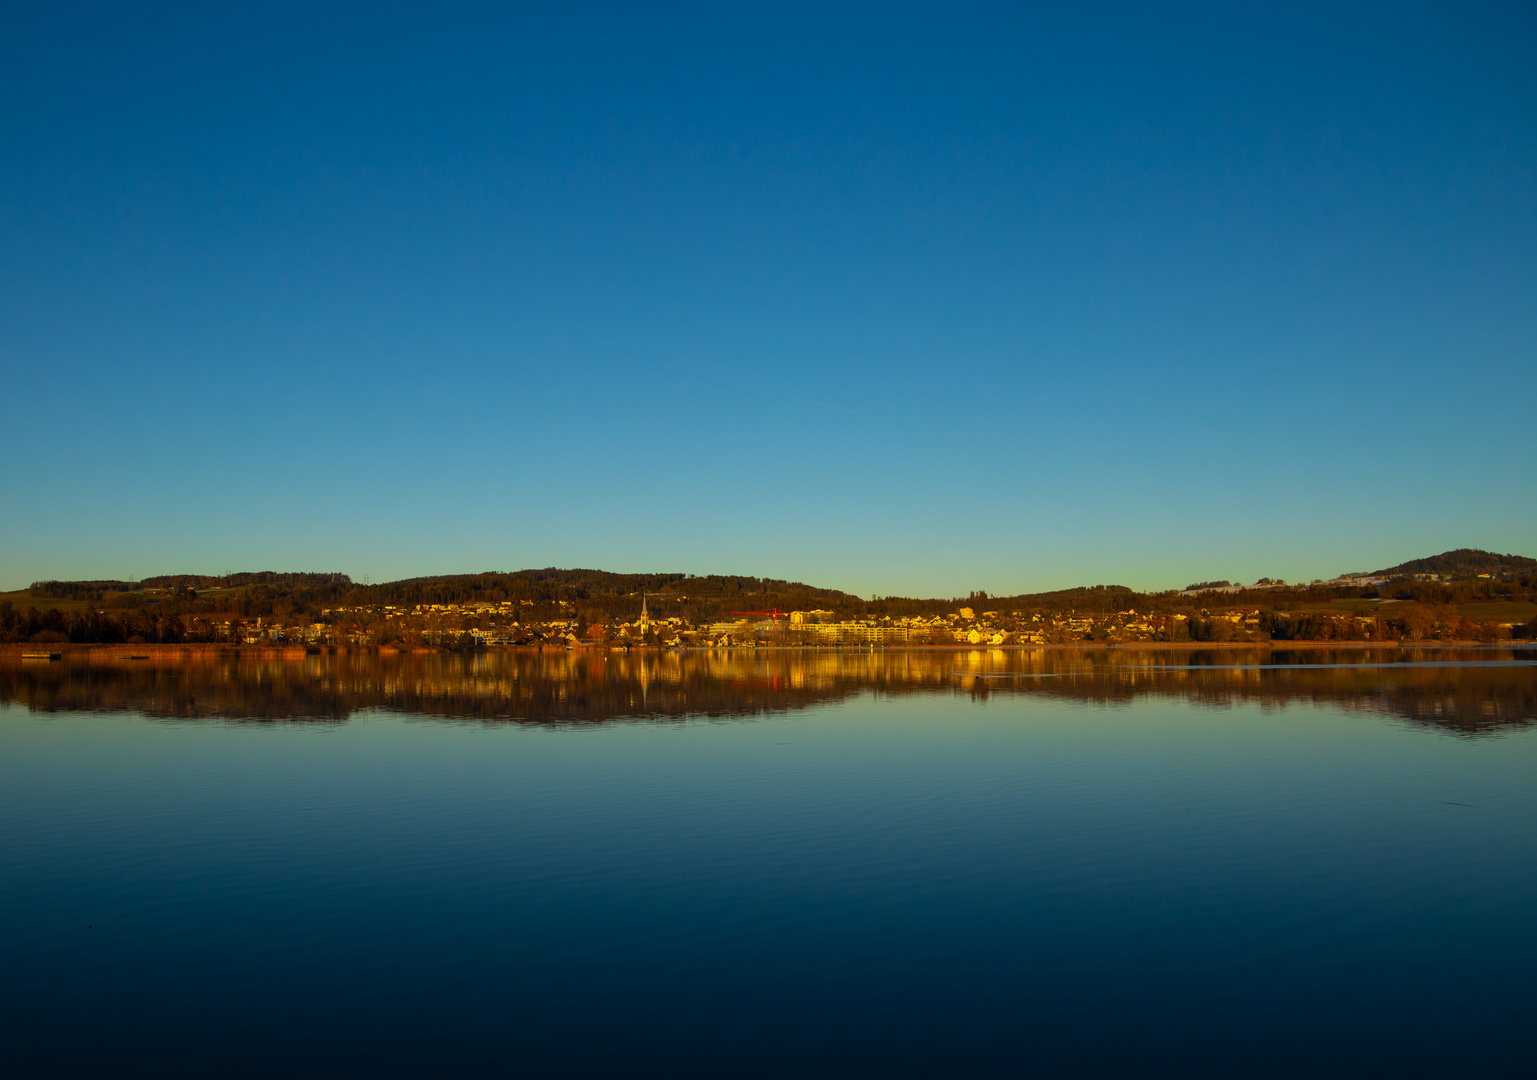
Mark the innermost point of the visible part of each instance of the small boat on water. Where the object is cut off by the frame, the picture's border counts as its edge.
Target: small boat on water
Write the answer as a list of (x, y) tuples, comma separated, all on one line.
[(42, 656)]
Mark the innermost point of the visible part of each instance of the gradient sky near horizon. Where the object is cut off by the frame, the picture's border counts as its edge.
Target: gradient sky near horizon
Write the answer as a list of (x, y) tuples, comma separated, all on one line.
[(894, 299)]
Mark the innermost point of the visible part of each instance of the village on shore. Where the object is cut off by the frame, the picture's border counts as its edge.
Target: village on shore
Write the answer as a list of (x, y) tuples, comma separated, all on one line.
[(1462, 595), (491, 625)]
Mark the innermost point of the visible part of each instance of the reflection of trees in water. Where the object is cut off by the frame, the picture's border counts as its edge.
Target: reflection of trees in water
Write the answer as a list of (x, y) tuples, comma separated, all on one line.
[(592, 687)]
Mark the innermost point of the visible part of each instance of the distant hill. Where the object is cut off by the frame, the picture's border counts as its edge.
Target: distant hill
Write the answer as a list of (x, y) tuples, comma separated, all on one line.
[(599, 593), (1083, 598), (1462, 563), (448, 588), (76, 590), (594, 584), (248, 577)]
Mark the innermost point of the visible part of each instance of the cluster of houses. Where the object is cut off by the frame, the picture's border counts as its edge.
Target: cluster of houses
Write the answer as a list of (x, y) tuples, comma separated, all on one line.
[(502, 624), (489, 625)]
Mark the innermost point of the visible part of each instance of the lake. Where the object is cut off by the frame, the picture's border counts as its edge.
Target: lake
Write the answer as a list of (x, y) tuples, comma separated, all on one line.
[(991, 862)]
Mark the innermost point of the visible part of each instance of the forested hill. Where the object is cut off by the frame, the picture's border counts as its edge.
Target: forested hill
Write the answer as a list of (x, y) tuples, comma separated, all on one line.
[(595, 593), (97, 590), (599, 594), (588, 585), (1462, 563)]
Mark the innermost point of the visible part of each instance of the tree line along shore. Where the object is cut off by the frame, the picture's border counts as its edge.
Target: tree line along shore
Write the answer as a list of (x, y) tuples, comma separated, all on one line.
[(1464, 595)]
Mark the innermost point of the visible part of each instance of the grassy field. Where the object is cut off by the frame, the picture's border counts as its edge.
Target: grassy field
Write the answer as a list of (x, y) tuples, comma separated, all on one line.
[(21, 600), (1479, 613), (1362, 607), (1501, 613)]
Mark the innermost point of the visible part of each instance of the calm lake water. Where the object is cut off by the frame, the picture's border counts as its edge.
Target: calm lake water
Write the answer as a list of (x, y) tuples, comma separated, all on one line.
[(993, 862)]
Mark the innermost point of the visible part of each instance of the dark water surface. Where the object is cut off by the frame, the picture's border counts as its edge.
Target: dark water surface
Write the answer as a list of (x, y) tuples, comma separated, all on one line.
[(990, 862)]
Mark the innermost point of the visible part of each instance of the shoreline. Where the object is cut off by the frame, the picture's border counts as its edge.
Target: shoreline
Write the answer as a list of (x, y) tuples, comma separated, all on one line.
[(190, 651)]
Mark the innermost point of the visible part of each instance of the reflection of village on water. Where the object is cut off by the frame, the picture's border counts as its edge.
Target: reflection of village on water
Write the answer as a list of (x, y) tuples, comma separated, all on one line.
[(1461, 690)]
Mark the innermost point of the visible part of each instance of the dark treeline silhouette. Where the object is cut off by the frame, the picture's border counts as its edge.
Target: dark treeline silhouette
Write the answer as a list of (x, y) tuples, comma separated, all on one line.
[(596, 596), (1085, 598), (580, 688), (1109, 598), (77, 590), (594, 589), (257, 577), (147, 625), (99, 591)]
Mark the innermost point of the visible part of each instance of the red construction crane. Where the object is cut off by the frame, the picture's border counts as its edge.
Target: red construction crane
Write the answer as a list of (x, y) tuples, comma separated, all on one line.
[(771, 614)]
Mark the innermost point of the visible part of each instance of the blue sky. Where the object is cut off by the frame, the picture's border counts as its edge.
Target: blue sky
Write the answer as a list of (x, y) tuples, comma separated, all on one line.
[(896, 300)]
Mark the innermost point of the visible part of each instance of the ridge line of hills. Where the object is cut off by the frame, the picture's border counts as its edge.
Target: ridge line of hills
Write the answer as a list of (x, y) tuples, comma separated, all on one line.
[(1463, 595), (1452, 565), (1468, 573)]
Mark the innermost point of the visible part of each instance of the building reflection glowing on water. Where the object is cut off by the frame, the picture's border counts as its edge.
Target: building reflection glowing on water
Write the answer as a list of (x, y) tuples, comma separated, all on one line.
[(1458, 690)]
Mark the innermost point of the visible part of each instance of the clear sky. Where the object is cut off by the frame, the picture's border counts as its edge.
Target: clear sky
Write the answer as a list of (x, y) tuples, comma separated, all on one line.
[(891, 299)]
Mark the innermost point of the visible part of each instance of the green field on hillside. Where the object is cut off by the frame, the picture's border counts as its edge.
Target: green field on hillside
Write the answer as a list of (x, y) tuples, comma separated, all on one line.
[(1500, 613), (22, 600), (1518, 612)]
